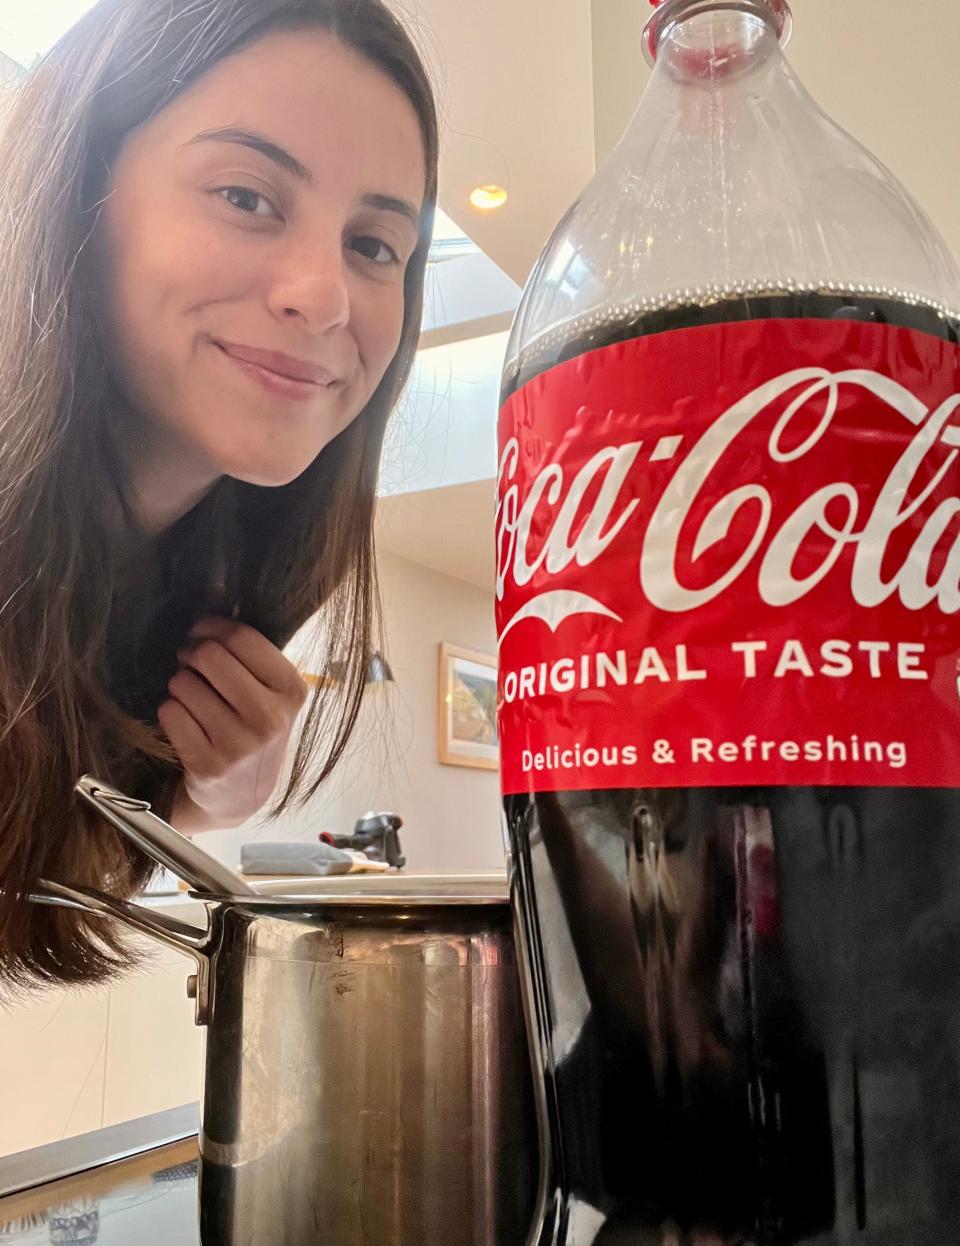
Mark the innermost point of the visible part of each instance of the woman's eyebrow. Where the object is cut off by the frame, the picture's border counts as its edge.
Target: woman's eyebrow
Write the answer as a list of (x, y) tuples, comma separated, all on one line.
[(390, 203), (258, 142), (290, 164)]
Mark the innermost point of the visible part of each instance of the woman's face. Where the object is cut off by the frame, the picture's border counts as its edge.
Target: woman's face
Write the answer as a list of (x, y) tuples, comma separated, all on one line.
[(253, 247)]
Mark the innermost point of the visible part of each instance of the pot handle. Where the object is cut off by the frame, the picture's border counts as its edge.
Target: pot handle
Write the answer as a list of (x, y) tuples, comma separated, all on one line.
[(181, 936), (134, 819)]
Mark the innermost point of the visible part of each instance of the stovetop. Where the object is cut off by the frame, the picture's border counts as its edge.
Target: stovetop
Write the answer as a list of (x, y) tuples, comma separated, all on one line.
[(149, 1200)]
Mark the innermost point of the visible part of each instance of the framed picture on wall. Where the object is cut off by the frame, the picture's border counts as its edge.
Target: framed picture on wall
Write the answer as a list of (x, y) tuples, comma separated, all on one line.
[(467, 709)]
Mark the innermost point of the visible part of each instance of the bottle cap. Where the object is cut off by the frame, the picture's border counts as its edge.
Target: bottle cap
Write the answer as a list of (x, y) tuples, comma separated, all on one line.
[(779, 10)]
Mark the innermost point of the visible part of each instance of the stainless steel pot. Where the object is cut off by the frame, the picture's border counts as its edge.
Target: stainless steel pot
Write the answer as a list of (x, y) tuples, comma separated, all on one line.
[(367, 1073)]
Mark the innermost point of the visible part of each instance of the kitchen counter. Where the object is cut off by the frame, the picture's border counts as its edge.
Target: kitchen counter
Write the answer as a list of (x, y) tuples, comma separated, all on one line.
[(130, 1184)]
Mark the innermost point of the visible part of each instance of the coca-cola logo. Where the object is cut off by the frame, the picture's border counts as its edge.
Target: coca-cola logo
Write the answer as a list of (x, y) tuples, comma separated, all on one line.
[(835, 516)]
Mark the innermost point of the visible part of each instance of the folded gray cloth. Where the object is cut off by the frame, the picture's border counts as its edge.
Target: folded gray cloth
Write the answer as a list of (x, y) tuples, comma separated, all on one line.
[(295, 859)]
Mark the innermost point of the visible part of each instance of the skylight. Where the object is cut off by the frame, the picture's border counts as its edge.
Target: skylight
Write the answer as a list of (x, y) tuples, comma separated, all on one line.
[(28, 29), (449, 241)]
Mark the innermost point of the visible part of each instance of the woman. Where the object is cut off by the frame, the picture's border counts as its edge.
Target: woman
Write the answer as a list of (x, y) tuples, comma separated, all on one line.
[(214, 229)]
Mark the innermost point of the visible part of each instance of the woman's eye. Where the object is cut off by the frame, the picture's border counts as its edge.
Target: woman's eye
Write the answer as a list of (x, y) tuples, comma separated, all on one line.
[(247, 201), (374, 249)]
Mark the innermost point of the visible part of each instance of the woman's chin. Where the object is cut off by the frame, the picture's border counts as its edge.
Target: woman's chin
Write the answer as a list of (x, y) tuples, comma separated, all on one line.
[(270, 461), (266, 475)]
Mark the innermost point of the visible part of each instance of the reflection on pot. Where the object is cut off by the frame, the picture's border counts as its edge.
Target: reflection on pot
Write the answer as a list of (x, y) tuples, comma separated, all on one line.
[(177, 1174), (13, 1230), (77, 1222)]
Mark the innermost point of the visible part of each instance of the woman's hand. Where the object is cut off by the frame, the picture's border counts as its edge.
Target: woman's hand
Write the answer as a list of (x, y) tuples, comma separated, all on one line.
[(231, 710)]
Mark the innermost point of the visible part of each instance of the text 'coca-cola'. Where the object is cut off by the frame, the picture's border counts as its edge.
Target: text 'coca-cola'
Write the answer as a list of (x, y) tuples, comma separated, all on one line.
[(731, 555)]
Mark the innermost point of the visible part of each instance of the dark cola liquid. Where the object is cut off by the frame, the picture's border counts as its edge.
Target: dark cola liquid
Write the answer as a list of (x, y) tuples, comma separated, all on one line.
[(749, 1000)]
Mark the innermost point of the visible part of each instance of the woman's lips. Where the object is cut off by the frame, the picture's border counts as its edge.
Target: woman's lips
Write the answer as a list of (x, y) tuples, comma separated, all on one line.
[(277, 373)]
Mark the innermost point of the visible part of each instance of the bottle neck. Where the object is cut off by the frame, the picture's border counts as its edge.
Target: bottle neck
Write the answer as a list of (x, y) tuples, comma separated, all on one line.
[(714, 35)]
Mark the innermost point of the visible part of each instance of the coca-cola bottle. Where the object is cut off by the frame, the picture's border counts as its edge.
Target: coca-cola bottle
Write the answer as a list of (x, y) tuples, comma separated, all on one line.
[(728, 543)]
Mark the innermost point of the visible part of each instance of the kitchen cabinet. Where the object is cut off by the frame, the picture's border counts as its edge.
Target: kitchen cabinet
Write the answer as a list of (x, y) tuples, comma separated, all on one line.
[(76, 1061), (53, 1057)]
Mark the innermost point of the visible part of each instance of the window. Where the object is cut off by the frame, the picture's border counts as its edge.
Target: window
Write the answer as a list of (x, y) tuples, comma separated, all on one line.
[(28, 29)]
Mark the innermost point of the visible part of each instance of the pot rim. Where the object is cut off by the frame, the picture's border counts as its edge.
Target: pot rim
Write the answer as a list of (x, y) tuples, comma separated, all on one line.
[(301, 903), (370, 891)]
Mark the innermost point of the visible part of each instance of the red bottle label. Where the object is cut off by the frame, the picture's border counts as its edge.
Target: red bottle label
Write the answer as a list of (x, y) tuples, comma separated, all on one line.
[(731, 555)]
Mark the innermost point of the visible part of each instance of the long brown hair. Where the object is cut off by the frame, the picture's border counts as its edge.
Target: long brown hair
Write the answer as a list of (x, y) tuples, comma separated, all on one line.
[(272, 557)]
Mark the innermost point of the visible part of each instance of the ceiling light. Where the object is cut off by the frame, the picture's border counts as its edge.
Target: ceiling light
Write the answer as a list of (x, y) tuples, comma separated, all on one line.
[(487, 198)]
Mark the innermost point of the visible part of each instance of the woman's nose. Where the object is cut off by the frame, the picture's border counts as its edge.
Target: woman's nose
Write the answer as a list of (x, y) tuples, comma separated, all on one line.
[(313, 288)]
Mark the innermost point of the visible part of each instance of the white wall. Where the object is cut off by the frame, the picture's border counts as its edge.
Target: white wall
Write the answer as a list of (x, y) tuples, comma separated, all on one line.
[(451, 813)]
